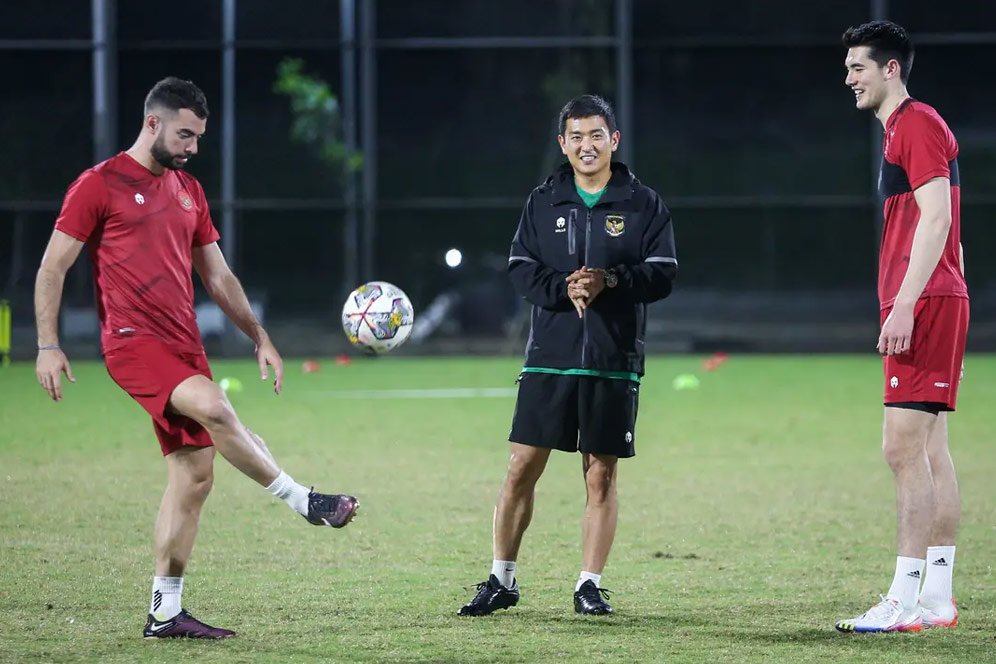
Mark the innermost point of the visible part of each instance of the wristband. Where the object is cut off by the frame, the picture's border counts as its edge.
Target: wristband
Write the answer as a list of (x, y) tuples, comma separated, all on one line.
[(53, 347)]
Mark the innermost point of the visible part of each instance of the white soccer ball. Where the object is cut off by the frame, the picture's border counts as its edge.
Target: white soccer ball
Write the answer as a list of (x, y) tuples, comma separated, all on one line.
[(377, 316)]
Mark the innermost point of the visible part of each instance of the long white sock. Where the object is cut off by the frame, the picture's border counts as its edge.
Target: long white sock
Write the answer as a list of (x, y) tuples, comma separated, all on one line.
[(588, 576), (167, 593), (292, 493), (937, 578), (504, 571), (906, 583)]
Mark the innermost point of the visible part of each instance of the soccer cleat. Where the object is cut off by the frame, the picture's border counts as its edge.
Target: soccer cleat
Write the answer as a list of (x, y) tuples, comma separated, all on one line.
[(490, 597), (331, 509), (590, 600), (886, 616), (943, 614), (183, 626)]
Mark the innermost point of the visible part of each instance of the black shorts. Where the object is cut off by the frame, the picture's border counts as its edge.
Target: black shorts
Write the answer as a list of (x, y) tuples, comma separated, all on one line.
[(576, 413)]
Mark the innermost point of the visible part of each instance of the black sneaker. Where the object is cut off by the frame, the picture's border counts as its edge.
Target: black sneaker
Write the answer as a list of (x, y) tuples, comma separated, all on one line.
[(490, 597), (331, 509), (590, 600), (183, 626)]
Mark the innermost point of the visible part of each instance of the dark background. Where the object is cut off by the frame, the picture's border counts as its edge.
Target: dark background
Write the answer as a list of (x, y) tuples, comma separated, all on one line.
[(739, 118)]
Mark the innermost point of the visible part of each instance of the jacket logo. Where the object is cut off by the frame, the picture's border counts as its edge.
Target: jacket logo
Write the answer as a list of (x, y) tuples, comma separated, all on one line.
[(615, 225), (561, 223)]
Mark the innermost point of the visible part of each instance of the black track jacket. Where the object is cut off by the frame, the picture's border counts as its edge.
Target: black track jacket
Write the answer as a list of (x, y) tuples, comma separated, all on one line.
[(629, 231)]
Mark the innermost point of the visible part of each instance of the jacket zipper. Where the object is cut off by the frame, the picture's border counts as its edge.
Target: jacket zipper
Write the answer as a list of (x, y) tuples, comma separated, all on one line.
[(584, 319), (572, 220)]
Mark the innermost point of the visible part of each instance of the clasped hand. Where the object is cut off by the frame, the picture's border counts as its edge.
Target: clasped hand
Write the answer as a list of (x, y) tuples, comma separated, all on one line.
[(583, 286)]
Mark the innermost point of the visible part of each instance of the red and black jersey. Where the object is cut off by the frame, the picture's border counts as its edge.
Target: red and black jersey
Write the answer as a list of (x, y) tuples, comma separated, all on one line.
[(917, 146), (140, 229)]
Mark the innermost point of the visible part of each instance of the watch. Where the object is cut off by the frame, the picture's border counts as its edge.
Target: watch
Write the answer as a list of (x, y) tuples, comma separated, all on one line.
[(611, 279)]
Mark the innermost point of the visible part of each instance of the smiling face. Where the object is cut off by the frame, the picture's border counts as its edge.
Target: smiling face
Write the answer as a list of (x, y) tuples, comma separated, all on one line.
[(588, 145), (870, 82)]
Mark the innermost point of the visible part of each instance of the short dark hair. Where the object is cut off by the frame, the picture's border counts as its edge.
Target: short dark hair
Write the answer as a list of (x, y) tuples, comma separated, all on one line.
[(586, 106), (174, 93), (886, 41)]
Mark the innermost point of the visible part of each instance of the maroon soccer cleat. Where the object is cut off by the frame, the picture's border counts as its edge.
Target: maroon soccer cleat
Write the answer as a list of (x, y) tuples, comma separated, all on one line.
[(331, 509), (183, 626)]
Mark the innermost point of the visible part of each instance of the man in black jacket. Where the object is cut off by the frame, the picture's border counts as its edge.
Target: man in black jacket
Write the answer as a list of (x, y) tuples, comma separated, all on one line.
[(593, 248)]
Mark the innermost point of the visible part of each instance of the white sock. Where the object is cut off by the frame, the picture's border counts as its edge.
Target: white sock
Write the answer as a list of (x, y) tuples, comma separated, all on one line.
[(937, 578), (292, 493), (588, 576), (906, 583), (504, 571), (167, 592)]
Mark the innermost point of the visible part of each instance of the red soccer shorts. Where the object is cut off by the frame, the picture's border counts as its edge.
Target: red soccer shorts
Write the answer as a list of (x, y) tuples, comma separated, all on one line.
[(931, 370), (149, 371)]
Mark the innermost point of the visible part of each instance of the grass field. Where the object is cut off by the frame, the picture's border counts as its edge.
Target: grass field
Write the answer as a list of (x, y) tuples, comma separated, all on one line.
[(757, 511)]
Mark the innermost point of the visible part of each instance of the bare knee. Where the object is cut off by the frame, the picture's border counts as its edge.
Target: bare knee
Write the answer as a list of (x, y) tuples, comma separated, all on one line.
[(937, 441), (199, 486), (524, 471), (903, 443), (191, 475), (600, 481), (215, 412)]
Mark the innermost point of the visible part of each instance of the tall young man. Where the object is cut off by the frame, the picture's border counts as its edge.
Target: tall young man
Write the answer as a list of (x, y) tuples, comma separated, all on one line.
[(924, 316)]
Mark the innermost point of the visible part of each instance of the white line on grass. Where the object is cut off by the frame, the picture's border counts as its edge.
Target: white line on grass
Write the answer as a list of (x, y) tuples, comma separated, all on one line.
[(425, 393)]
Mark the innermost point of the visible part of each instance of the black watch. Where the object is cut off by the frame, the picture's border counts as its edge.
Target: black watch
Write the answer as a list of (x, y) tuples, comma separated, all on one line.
[(611, 279)]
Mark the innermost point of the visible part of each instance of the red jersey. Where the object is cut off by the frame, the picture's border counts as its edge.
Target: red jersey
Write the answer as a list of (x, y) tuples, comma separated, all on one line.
[(140, 229), (916, 147)]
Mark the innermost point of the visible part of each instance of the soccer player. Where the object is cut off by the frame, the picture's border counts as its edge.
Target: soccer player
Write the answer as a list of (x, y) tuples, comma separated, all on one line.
[(924, 317), (145, 222), (594, 246)]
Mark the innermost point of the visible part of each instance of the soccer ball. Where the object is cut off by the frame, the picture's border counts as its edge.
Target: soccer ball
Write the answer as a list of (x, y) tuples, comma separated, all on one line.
[(377, 316)]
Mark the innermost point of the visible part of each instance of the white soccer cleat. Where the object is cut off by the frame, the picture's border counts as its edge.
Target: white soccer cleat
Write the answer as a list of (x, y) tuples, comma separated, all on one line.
[(943, 614), (886, 616)]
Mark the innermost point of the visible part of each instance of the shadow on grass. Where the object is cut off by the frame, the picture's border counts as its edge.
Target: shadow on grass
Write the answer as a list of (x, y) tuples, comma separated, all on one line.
[(655, 621), (946, 646)]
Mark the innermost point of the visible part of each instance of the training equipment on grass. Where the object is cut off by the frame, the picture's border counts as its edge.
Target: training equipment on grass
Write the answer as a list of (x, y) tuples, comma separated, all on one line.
[(5, 326), (377, 316), (685, 382), (230, 385)]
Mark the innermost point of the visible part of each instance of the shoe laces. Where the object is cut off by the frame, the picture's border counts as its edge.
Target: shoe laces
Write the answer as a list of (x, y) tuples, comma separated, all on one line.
[(482, 589), (884, 609), (325, 502), (598, 591)]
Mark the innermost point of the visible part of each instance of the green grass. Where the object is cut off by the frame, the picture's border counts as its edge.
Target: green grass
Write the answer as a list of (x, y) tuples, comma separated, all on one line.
[(756, 512)]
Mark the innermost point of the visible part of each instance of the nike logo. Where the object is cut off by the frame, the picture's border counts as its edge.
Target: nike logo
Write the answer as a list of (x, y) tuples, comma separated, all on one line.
[(158, 627)]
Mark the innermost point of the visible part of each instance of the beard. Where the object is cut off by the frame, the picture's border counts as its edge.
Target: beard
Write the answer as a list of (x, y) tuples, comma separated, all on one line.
[(164, 157)]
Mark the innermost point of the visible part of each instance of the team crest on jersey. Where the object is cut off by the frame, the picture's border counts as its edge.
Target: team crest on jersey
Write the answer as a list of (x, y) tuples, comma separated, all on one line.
[(184, 199), (140, 199), (615, 225)]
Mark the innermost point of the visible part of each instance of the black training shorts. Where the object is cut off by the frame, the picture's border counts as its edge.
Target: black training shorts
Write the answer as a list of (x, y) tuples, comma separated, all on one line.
[(576, 413)]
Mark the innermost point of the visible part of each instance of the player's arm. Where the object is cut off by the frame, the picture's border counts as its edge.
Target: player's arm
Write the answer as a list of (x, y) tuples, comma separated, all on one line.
[(537, 283), (226, 290), (60, 254), (934, 200)]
